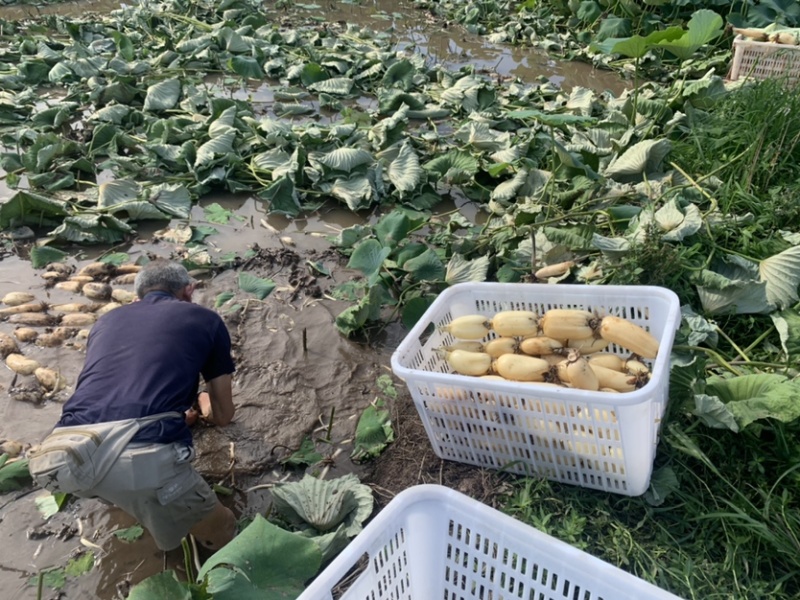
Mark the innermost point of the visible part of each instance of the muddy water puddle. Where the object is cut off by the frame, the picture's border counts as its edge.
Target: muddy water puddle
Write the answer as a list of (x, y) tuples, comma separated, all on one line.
[(296, 375)]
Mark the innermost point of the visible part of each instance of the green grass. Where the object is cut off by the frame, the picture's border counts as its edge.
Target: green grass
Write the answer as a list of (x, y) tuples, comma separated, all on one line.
[(729, 530)]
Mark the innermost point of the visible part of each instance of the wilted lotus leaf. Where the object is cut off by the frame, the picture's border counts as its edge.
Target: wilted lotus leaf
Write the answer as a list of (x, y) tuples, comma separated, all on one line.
[(325, 504)]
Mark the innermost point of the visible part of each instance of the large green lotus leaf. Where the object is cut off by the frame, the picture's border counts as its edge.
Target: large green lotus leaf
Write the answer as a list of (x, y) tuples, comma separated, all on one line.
[(264, 562), (613, 27), (581, 101), (342, 159), (233, 42), (697, 329), (55, 116), (508, 189), (687, 379), (455, 166), (41, 256), (26, 207), (325, 504), (221, 145), (393, 228), (368, 257), (223, 123), (309, 74), (139, 210), (787, 324), (781, 273), (88, 67), (640, 159), (329, 544), (282, 196), (509, 155), (636, 46), (338, 86), (714, 413), (455, 94), (482, 137), (292, 167), (704, 26), (270, 160), (369, 72), (52, 181), (125, 46), (47, 53), (356, 192), (414, 309), (168, 152), (163, 95), (246, 66), (400, 74), (119, 92), (425, 267), (732, 287), (92, 229), (59, 72), (761, 396), (390, 130), (404, 171), (173, 199), (114, 113), (461, 270), (34, 72), (118, 191), (194, 45), (589, 11)]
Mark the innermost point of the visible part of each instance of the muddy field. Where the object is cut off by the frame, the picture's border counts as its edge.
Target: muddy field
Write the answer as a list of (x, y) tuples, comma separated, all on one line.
[(283, 393), (294, 369)]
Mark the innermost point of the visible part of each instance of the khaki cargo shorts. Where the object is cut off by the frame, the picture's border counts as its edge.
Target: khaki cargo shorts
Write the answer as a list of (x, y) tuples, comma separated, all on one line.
[(157, 485)]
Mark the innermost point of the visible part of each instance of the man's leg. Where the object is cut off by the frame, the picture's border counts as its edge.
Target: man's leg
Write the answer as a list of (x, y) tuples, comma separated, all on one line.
[(217, 529), (180, 500)]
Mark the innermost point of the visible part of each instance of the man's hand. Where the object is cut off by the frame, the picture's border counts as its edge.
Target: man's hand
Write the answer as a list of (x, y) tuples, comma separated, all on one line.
[(191, 416)]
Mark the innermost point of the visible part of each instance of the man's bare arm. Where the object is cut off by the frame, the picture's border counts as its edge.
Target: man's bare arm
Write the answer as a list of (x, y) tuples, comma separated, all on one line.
[(217, 406)]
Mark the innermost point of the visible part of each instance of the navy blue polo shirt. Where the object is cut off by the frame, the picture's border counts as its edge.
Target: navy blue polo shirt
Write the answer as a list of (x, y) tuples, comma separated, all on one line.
[(145, 358)]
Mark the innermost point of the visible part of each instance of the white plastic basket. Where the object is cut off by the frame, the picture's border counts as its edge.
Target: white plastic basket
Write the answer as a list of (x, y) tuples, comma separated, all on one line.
[(761, 60), (597, 440), (431, 542)]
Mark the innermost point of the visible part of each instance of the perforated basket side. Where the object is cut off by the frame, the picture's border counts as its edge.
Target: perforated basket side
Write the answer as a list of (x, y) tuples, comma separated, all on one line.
[(455, 547), (763, 60), (593, 439)]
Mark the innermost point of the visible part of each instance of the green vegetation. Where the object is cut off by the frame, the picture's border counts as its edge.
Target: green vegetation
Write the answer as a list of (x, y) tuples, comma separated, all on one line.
[(692, 185)]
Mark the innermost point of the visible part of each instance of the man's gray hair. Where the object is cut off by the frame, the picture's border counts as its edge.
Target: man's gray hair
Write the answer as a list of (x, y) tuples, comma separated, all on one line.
[(163, 275)]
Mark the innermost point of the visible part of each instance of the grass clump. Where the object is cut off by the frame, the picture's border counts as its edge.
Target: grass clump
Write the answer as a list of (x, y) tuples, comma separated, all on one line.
[(727, 526)]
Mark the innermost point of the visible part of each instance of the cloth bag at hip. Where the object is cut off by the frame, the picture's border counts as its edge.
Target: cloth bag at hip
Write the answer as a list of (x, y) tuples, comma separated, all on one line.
[(76, 458)]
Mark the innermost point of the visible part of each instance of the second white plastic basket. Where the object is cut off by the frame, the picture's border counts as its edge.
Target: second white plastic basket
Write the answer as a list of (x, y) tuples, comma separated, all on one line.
[(593, 439), (761, 60), (433, 542)]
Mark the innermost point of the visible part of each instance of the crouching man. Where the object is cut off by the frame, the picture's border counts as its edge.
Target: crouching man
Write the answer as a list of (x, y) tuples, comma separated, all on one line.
[(129, 416)]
